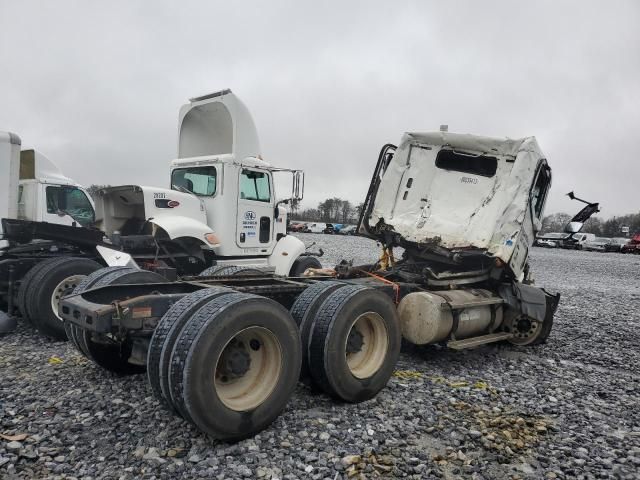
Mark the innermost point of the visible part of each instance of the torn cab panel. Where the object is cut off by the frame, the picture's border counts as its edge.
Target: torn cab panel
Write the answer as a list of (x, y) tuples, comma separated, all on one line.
[(445, 196)]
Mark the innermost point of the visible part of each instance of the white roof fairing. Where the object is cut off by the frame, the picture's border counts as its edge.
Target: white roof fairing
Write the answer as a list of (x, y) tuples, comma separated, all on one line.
[(463, 210), (473, 143), (217, 124)]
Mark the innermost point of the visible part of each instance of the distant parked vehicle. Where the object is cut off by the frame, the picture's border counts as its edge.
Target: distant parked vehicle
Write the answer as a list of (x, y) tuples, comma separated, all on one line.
[(296, 227), (577, 241), (329, 229), (545, 242), (337, 227), (550, 240), (597, 245), (315, 227), (633, 245), (616, 244), (348, 230)]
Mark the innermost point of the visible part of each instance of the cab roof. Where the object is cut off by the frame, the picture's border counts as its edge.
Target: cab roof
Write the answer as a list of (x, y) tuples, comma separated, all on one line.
[(504, 146)]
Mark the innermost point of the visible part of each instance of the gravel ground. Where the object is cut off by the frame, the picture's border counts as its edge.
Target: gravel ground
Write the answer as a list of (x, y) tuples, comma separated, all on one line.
[(566, 409)]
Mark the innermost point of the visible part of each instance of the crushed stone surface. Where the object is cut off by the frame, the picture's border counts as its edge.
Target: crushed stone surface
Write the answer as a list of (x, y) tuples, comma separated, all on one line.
[(567, 409)]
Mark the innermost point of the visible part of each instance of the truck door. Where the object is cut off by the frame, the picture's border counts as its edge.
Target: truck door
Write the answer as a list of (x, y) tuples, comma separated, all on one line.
[(255, 210)]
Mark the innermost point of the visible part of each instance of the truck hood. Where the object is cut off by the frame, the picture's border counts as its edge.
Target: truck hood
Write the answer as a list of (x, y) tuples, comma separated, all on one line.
[(126, 208)]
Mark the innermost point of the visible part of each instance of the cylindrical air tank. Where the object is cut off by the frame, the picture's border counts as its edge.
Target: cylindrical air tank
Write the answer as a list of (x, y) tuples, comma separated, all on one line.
[(427, 317)]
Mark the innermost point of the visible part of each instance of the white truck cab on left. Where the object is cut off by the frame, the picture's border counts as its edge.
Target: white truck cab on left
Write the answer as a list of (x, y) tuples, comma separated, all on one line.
[(46, 195), (33, 188)]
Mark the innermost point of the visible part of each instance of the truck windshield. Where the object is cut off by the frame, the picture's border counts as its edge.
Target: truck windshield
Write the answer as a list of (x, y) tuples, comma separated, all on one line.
[(71, 201), (198, 180)]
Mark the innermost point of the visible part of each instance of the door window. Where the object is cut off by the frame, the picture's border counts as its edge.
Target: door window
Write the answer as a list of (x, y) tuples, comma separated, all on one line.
[(71, 201), (540, 190), (255, 186), (198, 180)]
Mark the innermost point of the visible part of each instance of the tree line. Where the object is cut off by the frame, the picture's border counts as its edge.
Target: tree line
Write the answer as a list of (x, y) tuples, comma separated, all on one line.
[(331, 210), (611, 227)]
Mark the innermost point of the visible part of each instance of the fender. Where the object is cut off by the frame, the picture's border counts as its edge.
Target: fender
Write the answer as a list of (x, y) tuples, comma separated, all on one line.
[(286, 251), (179, 226)]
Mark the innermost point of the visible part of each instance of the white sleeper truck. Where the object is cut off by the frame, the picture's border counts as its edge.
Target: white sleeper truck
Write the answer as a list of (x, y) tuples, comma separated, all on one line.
[(33, 188)]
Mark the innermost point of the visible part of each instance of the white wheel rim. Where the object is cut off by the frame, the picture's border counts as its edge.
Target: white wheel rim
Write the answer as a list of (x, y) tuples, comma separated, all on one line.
[(365, 362), (64, 288), (248, 389)]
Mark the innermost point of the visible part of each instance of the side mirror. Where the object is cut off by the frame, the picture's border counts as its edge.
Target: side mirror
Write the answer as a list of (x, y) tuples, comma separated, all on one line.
[(573, 227), (276, 210), (298, 185)]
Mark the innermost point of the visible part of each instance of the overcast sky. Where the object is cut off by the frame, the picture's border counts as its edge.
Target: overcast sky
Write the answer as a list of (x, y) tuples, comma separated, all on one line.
[(96, 86)]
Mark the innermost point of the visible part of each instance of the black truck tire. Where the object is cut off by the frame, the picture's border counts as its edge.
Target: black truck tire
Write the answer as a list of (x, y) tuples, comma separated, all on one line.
[(304, 311), (211, 271), (355, 343), (165, 336), (301, 264), (230, 271), (107, 353), (25, 286), (56, 278), (254, 347), (73, 331)]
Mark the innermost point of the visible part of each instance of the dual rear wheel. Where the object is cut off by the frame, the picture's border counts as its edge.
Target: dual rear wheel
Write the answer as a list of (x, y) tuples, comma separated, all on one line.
[(44, 285), (350, 338), (227, 362)]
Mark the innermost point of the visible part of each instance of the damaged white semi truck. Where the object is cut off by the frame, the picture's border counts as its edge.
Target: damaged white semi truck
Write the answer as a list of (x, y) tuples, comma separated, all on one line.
[(226, 352)]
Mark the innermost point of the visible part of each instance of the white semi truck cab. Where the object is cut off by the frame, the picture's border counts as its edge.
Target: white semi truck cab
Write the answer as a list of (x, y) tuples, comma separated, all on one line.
[(33, 188), (221, 204)]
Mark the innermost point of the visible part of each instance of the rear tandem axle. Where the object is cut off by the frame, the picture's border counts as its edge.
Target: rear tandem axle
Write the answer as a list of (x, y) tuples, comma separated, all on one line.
[(226, 352)]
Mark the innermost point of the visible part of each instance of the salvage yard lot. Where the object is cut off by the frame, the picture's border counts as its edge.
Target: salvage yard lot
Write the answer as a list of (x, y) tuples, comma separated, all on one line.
[(565, 409)]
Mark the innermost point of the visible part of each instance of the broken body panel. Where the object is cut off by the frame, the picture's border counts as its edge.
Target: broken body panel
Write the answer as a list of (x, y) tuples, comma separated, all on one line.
[(444, 193)]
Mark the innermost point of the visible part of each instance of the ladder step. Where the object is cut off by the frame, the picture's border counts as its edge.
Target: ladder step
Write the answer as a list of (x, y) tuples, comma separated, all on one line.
[(481, 340)]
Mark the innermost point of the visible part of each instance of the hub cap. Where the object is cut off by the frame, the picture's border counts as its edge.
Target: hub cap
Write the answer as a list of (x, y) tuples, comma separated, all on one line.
[(64, 288), (524, 329), (366, 345), (248, 369)]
